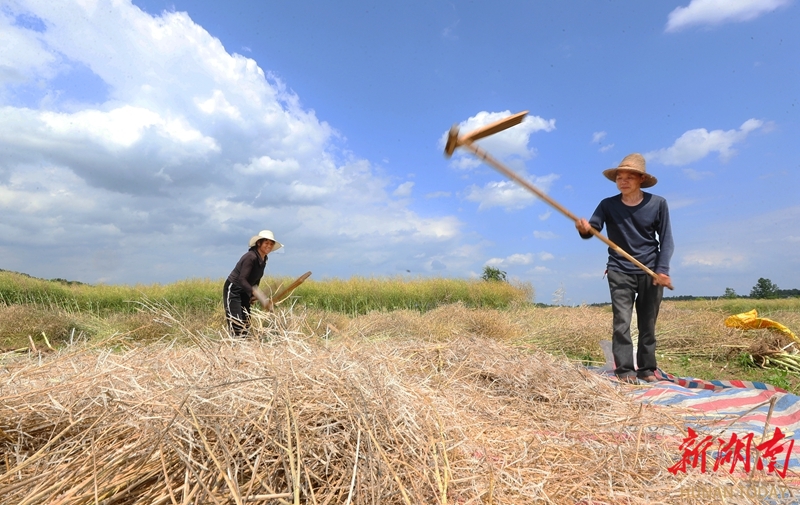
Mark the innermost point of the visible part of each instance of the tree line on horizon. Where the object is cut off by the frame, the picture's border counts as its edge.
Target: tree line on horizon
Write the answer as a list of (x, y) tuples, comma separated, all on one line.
[(764, 289)]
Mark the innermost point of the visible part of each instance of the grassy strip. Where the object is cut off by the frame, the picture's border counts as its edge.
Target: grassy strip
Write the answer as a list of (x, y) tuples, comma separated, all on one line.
[(730, 306), (357, 295), (102, 300), (361, 295), (62, 311)]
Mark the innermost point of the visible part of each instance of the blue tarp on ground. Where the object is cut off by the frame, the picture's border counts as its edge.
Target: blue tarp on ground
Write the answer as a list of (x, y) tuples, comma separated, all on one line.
[(720, 409)]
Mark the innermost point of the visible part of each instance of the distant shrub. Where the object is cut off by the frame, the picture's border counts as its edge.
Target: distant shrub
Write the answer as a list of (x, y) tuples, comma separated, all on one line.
[(764, 288), (493, 274)]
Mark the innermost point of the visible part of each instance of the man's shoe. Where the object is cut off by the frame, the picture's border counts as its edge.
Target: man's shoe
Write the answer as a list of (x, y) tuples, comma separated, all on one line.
[(629, 379), (648, 378)]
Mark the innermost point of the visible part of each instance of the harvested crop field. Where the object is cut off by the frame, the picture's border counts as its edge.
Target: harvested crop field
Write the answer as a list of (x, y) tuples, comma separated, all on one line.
[(451, 406)]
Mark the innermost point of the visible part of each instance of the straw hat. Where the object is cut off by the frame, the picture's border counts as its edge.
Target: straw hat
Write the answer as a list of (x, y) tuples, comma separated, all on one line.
[(268, 235), (634, 163)]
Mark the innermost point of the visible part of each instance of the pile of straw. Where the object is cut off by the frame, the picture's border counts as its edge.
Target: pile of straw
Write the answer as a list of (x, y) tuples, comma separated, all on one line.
[(288, 417)]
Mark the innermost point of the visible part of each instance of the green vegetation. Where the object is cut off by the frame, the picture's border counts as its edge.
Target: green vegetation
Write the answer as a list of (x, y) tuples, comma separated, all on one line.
[(493, 274), (729, 306), (764, 288), (61, 310), (357, 295), (692, 338), (360, 295), (102, 300)]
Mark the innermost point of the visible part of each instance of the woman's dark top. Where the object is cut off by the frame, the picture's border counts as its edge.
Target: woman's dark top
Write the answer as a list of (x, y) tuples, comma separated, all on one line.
[(248, 271)]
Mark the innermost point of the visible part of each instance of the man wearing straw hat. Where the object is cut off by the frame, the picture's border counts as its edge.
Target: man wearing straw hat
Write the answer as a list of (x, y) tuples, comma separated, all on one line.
[(638, 222), (241, 287)]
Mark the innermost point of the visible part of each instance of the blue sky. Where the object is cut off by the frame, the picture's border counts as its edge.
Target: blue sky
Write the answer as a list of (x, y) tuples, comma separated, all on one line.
[(146, 141)]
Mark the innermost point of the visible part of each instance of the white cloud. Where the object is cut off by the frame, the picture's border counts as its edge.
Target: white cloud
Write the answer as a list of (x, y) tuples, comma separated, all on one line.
[(23, 55), (514, 259), (189, 152), (264, 165), (510, 143), (218, 104), (713, 259), (756, 245), (465, 163), (450, 32), (508, 194), (716, 12), (680, 203), (544, 235), (404, 190), (438, 194), (597, 137), (697, 175), (122, 127), (699, 143), (519, 259)]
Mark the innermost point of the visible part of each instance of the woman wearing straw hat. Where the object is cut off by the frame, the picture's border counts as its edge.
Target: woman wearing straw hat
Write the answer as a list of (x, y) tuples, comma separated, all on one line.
[(242, 284), (639, 223)]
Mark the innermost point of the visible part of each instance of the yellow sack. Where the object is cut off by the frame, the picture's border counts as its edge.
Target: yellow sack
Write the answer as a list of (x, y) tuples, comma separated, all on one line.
[(750, 321)]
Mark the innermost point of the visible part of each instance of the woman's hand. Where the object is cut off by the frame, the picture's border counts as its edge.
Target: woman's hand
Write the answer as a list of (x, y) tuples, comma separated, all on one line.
[(261, 297)]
